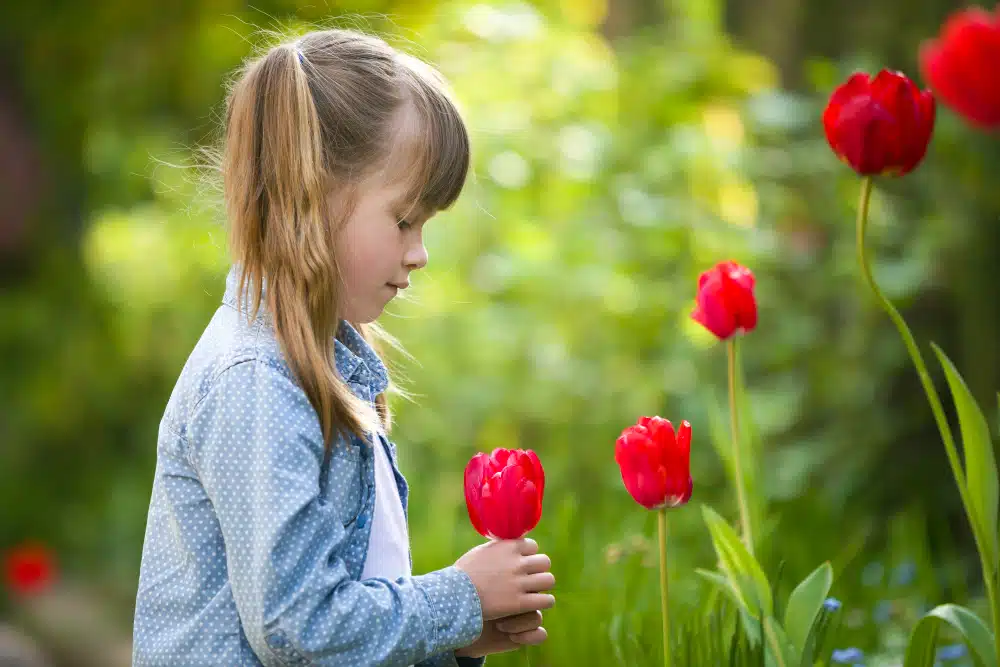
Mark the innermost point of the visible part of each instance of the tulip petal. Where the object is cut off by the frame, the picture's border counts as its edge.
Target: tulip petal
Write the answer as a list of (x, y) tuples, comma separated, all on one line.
[(857, 85), (864, 124), (725, 302), (740, 275), (742, 304), (538, 473), (643, 472), (475, 476), (711, 312), (899, 96), (684, 439), (661, 431), (507, 512)]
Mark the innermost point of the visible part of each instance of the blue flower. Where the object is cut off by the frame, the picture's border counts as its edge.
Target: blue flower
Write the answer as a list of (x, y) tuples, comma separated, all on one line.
[(882, 611), (847, 656), (951, 652), (831, 604), (905, 573)]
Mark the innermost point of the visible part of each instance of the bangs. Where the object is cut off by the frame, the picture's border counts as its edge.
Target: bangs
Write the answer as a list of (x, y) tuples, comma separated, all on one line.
[(432, 148)]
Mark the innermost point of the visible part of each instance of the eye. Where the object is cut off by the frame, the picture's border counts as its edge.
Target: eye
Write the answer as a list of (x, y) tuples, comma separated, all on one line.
[(404, 224)]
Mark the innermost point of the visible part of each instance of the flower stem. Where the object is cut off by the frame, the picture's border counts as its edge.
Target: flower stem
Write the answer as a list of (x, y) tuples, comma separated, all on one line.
[(662, 517), (932, 397), (741, 493)]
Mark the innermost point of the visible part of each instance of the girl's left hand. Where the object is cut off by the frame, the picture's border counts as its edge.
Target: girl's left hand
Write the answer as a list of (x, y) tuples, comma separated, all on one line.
[(506, 634)]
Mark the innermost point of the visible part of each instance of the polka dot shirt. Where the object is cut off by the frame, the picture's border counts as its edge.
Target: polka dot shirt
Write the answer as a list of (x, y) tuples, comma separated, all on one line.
[(256, 538)]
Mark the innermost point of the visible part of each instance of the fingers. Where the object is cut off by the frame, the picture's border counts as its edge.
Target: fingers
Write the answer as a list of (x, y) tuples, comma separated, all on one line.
[(520, 623), (533, 601), (543, 581), (527, 546), (536, 564), (529, 638)]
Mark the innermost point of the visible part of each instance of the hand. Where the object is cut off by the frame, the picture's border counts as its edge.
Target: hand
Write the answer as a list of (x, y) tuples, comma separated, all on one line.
[(509, 576), (506, 634)]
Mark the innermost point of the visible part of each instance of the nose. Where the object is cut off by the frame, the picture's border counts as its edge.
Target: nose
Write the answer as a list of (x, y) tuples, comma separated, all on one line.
[(416, 256)]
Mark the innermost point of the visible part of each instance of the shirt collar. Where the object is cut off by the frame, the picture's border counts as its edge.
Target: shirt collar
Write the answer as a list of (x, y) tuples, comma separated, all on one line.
[(356, 361)]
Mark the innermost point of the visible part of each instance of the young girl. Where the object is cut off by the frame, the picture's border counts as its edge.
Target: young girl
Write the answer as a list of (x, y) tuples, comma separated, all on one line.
[(277, 525)]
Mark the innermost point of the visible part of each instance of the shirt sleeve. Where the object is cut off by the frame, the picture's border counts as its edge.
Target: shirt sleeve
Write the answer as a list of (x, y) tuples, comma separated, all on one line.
[(256, 445)]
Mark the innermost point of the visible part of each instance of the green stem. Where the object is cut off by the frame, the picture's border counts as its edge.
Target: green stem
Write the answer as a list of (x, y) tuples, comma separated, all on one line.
[(741, 493), (935, 401), (664, 605)]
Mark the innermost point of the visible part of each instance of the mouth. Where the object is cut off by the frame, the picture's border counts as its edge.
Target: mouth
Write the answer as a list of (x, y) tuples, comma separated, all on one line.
[(402, 285)]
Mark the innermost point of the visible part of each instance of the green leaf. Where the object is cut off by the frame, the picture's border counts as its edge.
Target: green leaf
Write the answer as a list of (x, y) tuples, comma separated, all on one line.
[(805, 603), (743, 571), (722, 584), (975, 634), (980, 462), (780, 651)]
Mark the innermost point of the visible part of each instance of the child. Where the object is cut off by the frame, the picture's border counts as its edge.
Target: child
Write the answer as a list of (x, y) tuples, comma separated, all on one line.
[(277, 525)]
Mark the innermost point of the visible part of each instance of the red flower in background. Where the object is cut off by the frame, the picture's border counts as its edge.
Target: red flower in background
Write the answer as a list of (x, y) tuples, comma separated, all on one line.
[(655, 462), (881, 125), (28, 568), (503, 492), (725, 304), (962, 66)]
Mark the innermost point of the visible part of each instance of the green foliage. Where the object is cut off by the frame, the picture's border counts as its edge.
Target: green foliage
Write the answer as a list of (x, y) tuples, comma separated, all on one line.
[(553, 312), (970, 628), (980, 465), (744, 584), (804, 605)]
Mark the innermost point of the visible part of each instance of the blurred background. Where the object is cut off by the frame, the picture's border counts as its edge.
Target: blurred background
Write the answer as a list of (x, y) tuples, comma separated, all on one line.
[(620, 148)]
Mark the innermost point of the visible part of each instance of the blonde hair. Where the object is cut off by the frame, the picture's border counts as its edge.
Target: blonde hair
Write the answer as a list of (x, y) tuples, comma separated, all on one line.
[(308, 117)]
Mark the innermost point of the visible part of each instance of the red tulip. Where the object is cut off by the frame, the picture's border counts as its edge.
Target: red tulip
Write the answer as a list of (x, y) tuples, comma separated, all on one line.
[(503, 492), (28, 569), (963, 66), (725, 303), (880, 126), (656, 462)]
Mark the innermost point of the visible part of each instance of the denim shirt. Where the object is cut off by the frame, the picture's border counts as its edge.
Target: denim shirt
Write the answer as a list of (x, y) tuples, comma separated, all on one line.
[(256, 537)]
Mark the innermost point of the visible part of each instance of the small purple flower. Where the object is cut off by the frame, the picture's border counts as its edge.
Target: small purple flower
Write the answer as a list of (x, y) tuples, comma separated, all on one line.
[(847, 656), (831, 604)]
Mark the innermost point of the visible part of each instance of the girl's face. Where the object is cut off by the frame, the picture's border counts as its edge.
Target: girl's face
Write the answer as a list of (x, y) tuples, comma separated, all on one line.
[(377, 248)]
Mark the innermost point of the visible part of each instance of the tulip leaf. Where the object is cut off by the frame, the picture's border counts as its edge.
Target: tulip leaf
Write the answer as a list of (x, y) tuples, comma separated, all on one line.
[(980, 462), (974, 633), (725, 586), (741, 568), (805, 603), (780, 652)]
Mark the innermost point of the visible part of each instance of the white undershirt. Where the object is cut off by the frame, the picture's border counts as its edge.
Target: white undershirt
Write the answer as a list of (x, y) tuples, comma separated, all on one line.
[(389, 543)]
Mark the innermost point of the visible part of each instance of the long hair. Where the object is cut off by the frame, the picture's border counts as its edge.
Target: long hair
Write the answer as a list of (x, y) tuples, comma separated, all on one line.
[(306, 122)]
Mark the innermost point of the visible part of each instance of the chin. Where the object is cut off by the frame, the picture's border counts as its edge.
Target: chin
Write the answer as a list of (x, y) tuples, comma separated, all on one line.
[(365, 318)]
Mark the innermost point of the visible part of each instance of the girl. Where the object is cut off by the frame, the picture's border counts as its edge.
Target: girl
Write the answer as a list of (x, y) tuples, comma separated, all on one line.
[(277, 525)]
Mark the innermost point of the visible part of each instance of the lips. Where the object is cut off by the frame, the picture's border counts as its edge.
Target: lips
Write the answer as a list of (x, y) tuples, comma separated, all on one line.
[(402, 285)]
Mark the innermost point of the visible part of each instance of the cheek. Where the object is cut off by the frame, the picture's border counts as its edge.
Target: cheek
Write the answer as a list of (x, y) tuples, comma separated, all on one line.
[(364, 254)]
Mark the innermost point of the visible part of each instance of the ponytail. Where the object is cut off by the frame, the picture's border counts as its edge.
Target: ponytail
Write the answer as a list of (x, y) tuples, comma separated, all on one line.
[(275, 185)]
